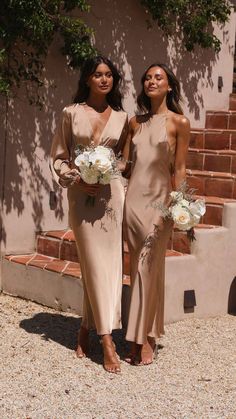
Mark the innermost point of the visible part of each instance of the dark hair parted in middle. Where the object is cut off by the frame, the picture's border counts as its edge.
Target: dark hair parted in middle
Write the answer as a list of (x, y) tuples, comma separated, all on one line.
[(173, 97), (114, 97)]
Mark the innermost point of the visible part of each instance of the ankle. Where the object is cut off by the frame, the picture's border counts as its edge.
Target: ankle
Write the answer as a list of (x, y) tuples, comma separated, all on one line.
[(106, 340)]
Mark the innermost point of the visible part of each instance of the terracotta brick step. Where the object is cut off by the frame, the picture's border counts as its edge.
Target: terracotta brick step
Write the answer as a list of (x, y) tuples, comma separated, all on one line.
[(65, 267), (180, 242), (212, 183), (214, 209), (221, 119), (56, 245), (232, 102), (212, 160), (213, 139)]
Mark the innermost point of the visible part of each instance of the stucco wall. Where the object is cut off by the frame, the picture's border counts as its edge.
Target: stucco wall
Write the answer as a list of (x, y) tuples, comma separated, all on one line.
[(121, 33)]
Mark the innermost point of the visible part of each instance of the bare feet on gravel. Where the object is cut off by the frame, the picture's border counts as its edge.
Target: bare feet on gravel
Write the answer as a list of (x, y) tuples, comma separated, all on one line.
[(146, 353), (111, 362), (83, 343)]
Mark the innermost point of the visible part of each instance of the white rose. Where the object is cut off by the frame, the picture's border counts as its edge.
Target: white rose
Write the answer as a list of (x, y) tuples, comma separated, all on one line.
[(181, 217)]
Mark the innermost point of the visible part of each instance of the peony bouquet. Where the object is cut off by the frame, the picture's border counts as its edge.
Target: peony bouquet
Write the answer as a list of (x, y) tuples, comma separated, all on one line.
[(96, 165), (184, 210)]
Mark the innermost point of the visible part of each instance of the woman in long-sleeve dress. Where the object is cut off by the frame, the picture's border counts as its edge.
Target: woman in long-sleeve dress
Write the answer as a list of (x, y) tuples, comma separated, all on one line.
[(158, 143), (96, 118)]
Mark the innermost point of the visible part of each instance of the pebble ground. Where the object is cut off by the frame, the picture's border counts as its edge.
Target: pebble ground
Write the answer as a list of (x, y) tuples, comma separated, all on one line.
[(194, 375)]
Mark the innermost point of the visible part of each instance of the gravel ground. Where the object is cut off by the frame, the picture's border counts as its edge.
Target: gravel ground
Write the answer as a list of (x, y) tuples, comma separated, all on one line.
[(194, 375)]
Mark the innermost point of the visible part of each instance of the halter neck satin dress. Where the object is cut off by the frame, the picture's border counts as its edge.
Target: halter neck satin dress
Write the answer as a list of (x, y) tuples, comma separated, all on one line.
[(147, 232), (97, 229)]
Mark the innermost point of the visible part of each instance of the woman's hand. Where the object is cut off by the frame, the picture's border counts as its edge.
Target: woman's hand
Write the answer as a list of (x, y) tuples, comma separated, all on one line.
[(69, 178), (89, 189)]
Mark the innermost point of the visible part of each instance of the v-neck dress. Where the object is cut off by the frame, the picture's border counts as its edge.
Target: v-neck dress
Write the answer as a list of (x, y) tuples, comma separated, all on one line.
[(147, 232), (97, 229)]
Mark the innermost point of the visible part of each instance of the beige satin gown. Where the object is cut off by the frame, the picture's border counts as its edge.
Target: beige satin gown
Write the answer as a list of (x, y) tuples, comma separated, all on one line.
[(147, 232), (98, 229)]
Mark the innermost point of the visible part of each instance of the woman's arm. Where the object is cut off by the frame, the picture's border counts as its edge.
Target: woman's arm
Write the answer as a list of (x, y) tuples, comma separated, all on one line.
[(60, 155), (182, 144), (127, 151)]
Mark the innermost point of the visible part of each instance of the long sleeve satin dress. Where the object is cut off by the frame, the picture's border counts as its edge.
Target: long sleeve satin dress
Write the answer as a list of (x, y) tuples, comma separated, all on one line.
[(147, 232), (97, 229)]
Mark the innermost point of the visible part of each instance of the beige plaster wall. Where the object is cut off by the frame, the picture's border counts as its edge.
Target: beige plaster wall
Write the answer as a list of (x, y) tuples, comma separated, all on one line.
[(121, 33)]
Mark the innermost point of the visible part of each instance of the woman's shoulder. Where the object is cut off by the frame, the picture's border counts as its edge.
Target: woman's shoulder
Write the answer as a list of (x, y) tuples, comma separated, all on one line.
[(181, 121), (69, 109), (136, 120)]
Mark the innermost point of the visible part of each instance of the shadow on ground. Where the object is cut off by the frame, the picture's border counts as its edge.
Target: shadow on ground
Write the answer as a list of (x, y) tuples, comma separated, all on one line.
[(64, 330)]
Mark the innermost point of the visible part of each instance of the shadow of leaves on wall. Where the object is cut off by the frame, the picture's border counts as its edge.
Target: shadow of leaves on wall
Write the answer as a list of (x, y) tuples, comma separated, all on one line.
[(122, 32)]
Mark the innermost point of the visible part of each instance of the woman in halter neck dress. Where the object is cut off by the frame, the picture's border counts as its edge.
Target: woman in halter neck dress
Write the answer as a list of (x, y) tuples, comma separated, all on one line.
[(157, 146), (96, 118)]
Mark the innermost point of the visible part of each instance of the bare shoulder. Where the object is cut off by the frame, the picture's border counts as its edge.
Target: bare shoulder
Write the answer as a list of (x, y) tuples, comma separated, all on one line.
[(133, 124), (136, 121), (181, 121)]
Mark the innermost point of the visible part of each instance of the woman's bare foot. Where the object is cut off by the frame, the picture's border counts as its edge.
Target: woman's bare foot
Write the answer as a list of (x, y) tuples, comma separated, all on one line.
[(83, 343), (111, 362), (134, 349), (146, 352)]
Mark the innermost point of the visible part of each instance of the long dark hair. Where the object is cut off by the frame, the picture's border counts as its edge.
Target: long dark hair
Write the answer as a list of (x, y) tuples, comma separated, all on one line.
[(173, 96), (114, 97)]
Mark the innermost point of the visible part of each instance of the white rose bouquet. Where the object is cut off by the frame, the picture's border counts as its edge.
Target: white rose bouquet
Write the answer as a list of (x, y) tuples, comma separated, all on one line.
[(96, 165), (184, 210)]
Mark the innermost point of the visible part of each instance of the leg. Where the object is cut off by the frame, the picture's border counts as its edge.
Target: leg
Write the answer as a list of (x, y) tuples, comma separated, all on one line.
[(111, 362), (83, 343), (146, 352), (134, 348)]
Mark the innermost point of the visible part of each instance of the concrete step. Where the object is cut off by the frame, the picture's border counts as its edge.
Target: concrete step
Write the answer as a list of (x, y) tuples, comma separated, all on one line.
[(221, 119), (212, 160), (213, 139), (210, 183)]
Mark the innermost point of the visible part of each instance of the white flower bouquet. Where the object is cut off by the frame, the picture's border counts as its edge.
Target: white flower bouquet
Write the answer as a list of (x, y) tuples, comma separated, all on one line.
[(96, 165), (184, 210)]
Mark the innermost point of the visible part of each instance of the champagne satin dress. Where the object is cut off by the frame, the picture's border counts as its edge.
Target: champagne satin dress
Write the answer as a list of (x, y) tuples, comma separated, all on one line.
[(147, 232), (97, 229)]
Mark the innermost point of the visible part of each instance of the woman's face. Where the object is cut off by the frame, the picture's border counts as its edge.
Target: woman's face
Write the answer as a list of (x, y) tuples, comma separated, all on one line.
[(156, 83), (101, 81)]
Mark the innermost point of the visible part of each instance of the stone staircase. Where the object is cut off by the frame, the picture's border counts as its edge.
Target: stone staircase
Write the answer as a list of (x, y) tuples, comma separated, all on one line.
[(206, 267)]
